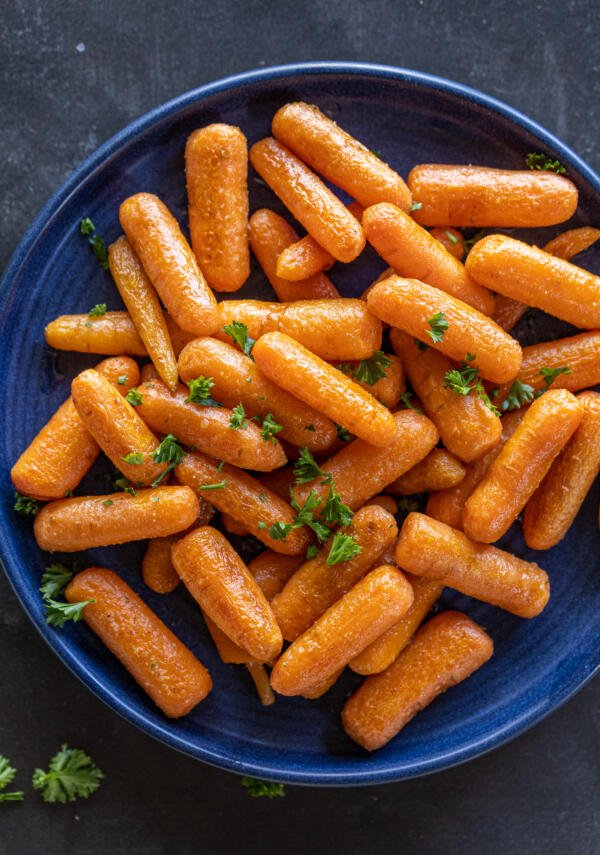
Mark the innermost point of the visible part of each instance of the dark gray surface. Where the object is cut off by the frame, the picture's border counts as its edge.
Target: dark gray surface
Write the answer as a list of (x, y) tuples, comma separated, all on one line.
[(72, 74)]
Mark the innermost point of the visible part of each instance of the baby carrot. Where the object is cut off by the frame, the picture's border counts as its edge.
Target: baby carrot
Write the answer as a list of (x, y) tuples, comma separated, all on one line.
[(447, 650), (207, 428), (369, 609), (245, 498), (413, 306), (216, 170), (71, 525), (553, 507), (508, 312), (143, 306), (309, 200), (270, 234), (113, 334), (221, 584), (57, 458), (291, 366), (169, 262), (387, 503), (319, 690), (237, 380), (427, 547), (338, 156), (117, 428), (467, 427), (333, 329), (260, 678), (233, 526), (316, 585), (380, 654), (413, 252), (572, 242), (156, 659), (522, 464), (158, 572), (387, 389), (480, 196), (359, 471), (438, 471), (535, 277), (179, 337), (302, 259), (452, 240), (279, 481)]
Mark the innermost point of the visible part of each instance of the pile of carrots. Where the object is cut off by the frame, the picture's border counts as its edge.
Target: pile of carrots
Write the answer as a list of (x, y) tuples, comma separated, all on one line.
[(236, 389)]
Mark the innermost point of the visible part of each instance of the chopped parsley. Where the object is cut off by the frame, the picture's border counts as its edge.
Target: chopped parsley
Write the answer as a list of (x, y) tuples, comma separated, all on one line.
[(518, 394), (25, 505), (169, 451), (464, 380), (7, 773), (216, 486), (307, 469), (439, 325), (373, 369), (416, 206), (269, 428), (122, 379), (238, 417), (71, 775), (136, 458), (134, 398), (88, 230), (312, 552), (343, 548), (543, 162), (199, 392), (239, 333), (257, 788), (97, 311), (549, 375), (342, 433), (405, 398)]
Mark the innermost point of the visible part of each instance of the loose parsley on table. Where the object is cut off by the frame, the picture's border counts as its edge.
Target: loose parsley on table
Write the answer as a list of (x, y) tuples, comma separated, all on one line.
[(72, 774), (7, 773), (257, 788)]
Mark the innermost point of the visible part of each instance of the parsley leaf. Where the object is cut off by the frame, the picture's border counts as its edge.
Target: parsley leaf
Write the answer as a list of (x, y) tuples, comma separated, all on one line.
[(269, 428), (57, 613), (312, 552), (134, 398), (538, 160), (550, 375), (373, 369), (26, 506), (199, 390), (416, 206), (97, 311), (452, 238), (72, 774), (439, 325), (304, 516), (257, 788), (335, 511), (123, 484), (343, 548), (88, 229), (306, 468), (239, 333), (169, 451), (213, 486), (136, 458), (407, 503), (343, 434), (55, 579), (122, 379), (518, 394), (238, 417), (405, 398), (7, 773), (279, 530), (464, 380)]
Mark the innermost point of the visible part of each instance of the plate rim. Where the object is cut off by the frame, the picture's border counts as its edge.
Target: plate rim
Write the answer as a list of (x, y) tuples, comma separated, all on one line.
[(56, 642)]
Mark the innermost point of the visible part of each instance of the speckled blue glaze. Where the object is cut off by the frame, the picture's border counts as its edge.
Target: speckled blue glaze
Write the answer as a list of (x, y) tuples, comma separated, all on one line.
[(409, 117)]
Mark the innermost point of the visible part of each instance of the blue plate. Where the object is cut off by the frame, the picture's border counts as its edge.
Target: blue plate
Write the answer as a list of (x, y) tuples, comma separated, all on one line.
[(409, 118)]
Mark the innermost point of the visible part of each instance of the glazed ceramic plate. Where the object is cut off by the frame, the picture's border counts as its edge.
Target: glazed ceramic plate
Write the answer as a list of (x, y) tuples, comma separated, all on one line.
[(408, 118)]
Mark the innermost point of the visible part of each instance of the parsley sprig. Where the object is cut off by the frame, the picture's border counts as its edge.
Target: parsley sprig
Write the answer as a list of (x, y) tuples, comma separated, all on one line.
[(373, 369), (343, 548), (269, 428), (518, 395), (88, 230), (238, 417), (307, 469), (7, 773), (199, 392), (543, 162), (26, 506), (549, 376), (72, 774), (97, 311), (439, 325), (134, 398), (405, 398), (55, 579), (465, 380), (257, 788), (239, 333), (169, 451)]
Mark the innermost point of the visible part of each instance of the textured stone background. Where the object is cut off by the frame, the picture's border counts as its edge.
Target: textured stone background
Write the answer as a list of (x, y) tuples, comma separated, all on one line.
[(73, 73)]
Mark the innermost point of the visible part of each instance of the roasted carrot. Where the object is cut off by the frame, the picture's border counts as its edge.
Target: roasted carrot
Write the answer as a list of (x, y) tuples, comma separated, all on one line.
[(233, 526), (279, 481), (319, 690), (438, 471), (113, 334), (71, 525), (162, 665), (387, 503), (333, 329), (158, 572), (303, 258), (447, 650), (369, 609), (535, 277), (413, 306), (452, 240), (179, 337), (508, 312), (221, 584), (467, 427), (572, 242), (555, 504), (338, 156), (522, 464), (237, 379), (316, 585), (291, 366), (310, 200), (207, 428), (480, 196), (270, 235), (169, 262), (57, 458), (427, 547), (380, 654), (413, 252), (387, 389), (243, 497), (216, 170)]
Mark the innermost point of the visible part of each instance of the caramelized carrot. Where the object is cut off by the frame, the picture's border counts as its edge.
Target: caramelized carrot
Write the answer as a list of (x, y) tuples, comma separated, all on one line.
[(467, 427), (143, 306), (319, 690), (310, 200), (233, 526), (338, 156), (537, 278), (291, 366), (380, 654), (243, 497), (216, 170), (157, 660), (71, 525), (447, 650), (260, 679), (387, 503), (207, 428), (388, 389), (438, 471), (169, 262), (221, 584), (480, 196), (303, 258), (113, 334), (452, 240), (411, 306), (158, 572), (508, 312), (555, 504), (237, 379), (429, 548), (413, 252), (572, 242), (369, 609), (279, 481), (316, 585), (522, 464), (270, 235), (332, 329), (179, 337), (63, 451)]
